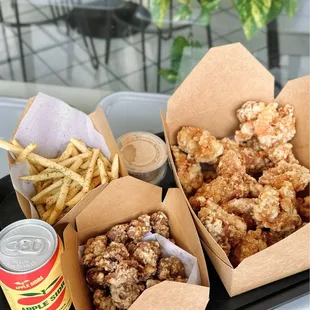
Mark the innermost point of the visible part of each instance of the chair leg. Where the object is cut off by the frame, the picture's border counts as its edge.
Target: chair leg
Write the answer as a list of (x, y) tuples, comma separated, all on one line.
[(108, 41), (158, 59), (20, 42), (273, 45), (144, 58), (209, 36)]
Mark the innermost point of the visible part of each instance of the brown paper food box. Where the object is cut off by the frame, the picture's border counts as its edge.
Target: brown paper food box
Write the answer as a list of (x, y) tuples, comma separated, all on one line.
[(123, 200), (102, 126), (224, 79)]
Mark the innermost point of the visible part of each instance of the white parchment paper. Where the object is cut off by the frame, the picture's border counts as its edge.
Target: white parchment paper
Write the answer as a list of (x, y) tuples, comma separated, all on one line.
[(170, 249), (51, 123)]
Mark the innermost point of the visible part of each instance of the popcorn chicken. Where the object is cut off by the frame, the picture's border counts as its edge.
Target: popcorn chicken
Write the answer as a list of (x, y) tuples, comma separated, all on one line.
[(123, 296), (96, 245), (199, 144), (125, 272), (170, 268), (113, 255), (230, 163), (251, 243), (160, 224), (242, 207), (276, 208), (95, 277), (282, 152), (296, 174), (139, 227), (147, 255), (250, 110), (188, 170), (118, 233), (102, 301), (225, 188), (226, 229)]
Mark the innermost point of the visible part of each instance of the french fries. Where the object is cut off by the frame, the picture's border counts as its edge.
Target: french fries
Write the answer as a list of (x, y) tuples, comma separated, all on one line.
[(62, 182)]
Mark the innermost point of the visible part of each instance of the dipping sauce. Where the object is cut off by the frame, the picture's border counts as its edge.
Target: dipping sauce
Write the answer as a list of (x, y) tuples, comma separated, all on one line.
[(145, 155), (30, 271)]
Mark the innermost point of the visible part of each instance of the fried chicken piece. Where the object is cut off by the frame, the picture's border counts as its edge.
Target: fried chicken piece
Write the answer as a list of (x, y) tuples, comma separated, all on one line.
[(178, 279), (250, 110), (125, 272), (189, 171), (242, 207), (199, 144), (230, 163), (246, 132), (276, 208), (147, 254), (303, 208), (226, 229), (96, 245), (112, 256), (95, 277), (271, 125), (282, 152), (118, 233), (139, 227), (88, 260), (160, 224), (123, 296), (225, 188), (298, 175), (274, 127), (102, 301), (151, 282), (251, 243), (170, 268), (252, 157)]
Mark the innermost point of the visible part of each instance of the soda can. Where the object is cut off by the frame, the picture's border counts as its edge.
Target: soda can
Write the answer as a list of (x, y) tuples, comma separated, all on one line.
[(30, 270)]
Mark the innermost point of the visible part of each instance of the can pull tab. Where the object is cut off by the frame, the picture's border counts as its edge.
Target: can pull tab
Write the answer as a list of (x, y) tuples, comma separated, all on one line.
[(26, 245)]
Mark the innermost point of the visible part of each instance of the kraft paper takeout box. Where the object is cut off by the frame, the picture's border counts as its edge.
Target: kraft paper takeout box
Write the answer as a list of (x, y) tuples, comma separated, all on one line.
[(223, 80), (123, 200), (101, 124)]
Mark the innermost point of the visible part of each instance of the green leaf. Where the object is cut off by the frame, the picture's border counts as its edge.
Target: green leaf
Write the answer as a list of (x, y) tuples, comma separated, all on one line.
[(254, 14), (290, 7), (184, 12), (51, 284), (207, 7), (177, 51), (168, 74), (30, 294), (158, 10), (275, 10)]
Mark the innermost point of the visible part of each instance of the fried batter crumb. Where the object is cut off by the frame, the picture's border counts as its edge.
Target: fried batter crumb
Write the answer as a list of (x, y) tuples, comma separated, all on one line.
[(170, 268), (160, 224), (139, 227), (102, 301)]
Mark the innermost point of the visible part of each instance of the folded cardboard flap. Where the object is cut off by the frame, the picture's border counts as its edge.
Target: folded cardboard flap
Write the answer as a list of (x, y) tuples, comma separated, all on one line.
[(274, 263), (226, 77), (73, 272), (173, 295), (121, 194), (184, 227), (101, 124), (297, 93)]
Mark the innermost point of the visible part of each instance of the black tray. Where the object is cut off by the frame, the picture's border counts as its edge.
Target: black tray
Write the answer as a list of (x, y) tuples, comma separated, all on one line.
[(265, 297)]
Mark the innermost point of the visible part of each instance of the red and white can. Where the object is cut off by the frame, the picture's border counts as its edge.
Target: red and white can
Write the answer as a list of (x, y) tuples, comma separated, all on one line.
[(30, 270)]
